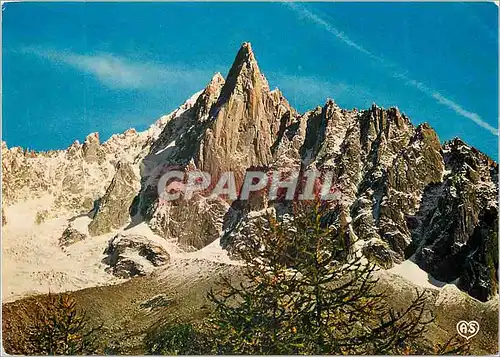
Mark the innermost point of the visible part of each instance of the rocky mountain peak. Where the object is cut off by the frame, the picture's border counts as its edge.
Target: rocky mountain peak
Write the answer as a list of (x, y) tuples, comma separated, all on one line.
[(92, 148), (215, 83), (209, 97), (244, 74), (244, 120)]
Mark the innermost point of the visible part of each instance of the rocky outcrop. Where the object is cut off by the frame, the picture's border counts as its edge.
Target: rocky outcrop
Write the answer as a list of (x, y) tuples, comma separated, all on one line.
[(91, 149), (326, 127), (176, 148), (113, 210), (21, 177), (133, 255), (378, 252), (457, 230), (71, 236), (193, 223), (74, 151)]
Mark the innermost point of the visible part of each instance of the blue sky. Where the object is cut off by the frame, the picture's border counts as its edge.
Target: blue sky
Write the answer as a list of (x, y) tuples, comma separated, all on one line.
[(74, 68)]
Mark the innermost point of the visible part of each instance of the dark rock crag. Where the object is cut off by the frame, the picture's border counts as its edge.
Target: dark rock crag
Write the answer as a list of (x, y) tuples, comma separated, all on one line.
[(133, 255), (113, 210)]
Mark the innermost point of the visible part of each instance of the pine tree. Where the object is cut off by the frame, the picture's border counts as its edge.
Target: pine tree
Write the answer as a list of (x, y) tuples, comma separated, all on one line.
[(58, 328), (307, 291)]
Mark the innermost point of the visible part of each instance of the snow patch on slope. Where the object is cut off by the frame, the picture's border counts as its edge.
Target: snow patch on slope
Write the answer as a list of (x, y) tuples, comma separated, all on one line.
[(33, 262), (409, 270)]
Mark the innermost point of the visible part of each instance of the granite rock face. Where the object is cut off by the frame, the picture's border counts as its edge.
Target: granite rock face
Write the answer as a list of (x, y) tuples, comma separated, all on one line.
[(457, 231), (231, 127), (194, 223), (114, 208), (91, 149), (243, 120)]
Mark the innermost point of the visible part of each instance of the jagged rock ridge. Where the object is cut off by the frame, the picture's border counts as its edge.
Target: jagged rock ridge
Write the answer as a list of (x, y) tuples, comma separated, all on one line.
[(403, 193)]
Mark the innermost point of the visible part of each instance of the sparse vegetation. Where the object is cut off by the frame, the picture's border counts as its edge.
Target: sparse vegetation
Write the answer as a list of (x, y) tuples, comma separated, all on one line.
[(305, 292), (58, 328), (176, 339)]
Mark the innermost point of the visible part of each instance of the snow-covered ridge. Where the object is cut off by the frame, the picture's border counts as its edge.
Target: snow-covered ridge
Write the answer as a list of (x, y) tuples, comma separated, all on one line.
[(45, 192)]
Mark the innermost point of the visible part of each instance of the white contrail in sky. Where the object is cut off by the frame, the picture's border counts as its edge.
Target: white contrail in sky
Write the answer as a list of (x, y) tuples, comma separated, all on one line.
[(438, 97), (447, 102), (303, 12)]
